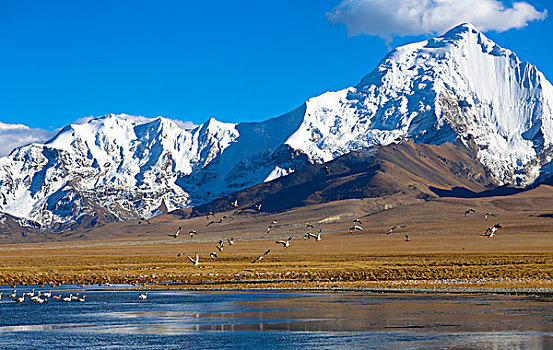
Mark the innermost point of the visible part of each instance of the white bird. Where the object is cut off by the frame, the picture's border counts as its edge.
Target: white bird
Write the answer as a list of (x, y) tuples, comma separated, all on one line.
[(355, 228), (0, 295), (82, 299), (258, 207), (259, 258), (269, 229), (192, 233), (213, 255), (235, 203), (48, 294), (176, 234), (195, 262), (20, 299), (357, 221), (37, 299), (490, 232), (30, 293), (274, 222), (68, 299), (468, 211), (143, 296), (317, 236), (407, 238), (488, 215), (285, 243), (13, 295), (230, 241)]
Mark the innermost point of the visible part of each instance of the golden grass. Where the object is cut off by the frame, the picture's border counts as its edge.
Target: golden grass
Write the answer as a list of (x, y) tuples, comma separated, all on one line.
[(280, 269)]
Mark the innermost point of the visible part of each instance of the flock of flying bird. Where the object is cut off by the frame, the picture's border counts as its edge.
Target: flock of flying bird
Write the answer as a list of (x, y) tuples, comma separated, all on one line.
[(490, 231), (210, 216)]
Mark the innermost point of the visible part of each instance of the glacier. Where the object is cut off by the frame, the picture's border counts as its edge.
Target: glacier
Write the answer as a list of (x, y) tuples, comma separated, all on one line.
[(458, 87)]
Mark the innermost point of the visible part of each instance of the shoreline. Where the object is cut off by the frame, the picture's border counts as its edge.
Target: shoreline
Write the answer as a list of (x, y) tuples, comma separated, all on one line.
[(432, 287)]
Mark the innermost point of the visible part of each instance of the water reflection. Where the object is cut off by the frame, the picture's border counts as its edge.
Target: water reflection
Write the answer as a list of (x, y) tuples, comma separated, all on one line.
[(281, 320)]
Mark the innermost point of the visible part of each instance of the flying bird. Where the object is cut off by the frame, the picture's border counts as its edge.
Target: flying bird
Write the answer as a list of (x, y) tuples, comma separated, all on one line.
[(310, 225), (488, 215), (143, 219), (208, 215), (467, 212), (407, 238), (258, 207), (490, 232), (285, 243), (394, 228), (317, 236), (196, 262), (179, 254), (176, 234), (221, 219), (274, 222), (269, 229), (355, 228), (230, 241), (213, 255), (210, 223), (327, 170), (259, 258), (235, 203), (357, 221), (192, 233)]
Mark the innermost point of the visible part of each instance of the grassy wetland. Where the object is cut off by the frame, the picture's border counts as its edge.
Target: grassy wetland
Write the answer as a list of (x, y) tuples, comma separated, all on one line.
[(446, 249)]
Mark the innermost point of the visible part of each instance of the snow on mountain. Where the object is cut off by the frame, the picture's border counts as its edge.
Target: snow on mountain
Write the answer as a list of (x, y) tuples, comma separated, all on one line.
[(109, 168), (460, 86)]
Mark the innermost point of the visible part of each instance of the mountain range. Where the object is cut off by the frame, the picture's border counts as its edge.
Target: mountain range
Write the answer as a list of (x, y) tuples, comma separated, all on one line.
[(455, 111)]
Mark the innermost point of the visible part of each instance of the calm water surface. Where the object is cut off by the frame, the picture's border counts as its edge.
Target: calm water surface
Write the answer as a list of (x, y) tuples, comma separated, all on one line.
[(276, 320)]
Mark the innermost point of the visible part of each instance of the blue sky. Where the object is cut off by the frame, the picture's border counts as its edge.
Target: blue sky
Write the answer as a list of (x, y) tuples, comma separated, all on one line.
[(234, 60)]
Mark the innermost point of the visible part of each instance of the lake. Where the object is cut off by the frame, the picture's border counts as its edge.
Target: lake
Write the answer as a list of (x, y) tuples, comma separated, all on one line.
[(117, 319)]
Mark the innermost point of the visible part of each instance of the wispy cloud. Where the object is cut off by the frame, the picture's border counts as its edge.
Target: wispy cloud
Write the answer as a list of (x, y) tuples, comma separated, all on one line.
[(389, 18), (16, 135)]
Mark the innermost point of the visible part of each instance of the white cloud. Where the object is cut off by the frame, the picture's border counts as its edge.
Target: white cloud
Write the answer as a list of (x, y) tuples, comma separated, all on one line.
[(389, 18), (16, 135)]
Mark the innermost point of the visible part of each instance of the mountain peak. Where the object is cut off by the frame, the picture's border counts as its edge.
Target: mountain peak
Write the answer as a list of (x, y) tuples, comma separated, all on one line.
[(459, 87), (461, 28)]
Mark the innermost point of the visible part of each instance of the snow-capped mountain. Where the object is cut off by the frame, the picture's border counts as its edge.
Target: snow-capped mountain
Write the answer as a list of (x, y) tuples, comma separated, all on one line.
[(460, 86)]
